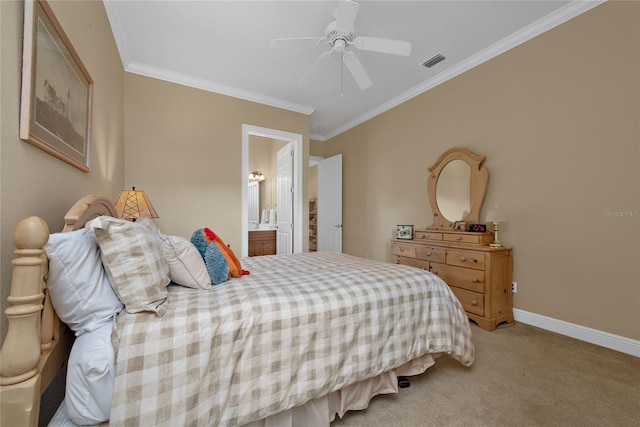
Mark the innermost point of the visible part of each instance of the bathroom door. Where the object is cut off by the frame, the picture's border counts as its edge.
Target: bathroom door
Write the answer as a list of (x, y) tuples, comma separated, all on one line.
[(284, 209)]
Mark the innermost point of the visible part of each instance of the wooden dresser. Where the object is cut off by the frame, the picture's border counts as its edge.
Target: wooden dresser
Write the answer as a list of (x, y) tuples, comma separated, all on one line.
[(262, 242), (479, 275)]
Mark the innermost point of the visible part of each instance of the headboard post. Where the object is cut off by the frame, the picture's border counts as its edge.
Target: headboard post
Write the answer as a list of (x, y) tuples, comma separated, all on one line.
[(21, 350)]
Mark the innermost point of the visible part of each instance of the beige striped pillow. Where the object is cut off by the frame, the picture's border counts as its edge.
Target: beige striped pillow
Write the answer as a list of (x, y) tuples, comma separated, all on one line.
[(132, 256)]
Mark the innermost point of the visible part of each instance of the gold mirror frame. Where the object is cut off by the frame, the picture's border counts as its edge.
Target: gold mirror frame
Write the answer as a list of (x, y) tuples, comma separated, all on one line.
[(478, 186)]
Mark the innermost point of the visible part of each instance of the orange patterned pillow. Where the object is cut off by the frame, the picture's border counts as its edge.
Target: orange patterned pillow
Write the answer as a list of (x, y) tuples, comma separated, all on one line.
[(235, 269)]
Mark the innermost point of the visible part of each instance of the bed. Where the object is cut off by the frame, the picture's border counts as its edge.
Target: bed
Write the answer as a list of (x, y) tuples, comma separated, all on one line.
[(300, 340)]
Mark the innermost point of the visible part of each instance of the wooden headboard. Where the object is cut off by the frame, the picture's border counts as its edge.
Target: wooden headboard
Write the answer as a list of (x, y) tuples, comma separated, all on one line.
[(37, 344)]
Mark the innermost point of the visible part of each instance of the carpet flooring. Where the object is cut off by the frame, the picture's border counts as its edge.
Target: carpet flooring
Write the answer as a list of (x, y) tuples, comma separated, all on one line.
[(522, 376)]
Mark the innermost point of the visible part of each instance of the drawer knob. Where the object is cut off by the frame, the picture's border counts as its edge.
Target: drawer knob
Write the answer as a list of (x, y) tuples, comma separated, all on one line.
[(429, 253), (474, 302), (475, 281), (463, 258), (459, 238), (426, 236), (401, 248)]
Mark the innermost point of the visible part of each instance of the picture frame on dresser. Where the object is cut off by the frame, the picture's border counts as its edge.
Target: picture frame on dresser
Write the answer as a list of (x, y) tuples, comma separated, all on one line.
[(459, 226), (55, 104), (404, 232)]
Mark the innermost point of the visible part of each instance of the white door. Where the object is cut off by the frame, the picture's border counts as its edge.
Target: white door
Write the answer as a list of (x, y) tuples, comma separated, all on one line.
[(330, 204), (284, 209)]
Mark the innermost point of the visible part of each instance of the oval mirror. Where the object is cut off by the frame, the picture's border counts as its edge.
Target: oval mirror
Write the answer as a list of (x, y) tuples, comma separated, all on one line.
[(457, 186), (453, 190)]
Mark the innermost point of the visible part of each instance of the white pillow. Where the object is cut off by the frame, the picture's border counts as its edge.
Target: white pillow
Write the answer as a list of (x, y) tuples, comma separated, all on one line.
[(78, 286), (90, 377), (133, 259), (186, 265)]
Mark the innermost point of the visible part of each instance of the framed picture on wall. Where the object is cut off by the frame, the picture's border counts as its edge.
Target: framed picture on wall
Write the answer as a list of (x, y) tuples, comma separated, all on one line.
[(404, 232), (55, 105)]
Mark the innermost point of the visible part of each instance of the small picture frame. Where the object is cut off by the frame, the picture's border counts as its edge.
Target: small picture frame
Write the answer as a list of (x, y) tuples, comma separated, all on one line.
[(460, 226), (477, 228), (405, 232)]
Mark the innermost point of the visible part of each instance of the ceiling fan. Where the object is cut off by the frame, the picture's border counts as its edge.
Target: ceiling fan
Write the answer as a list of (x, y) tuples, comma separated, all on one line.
[(339, 35)]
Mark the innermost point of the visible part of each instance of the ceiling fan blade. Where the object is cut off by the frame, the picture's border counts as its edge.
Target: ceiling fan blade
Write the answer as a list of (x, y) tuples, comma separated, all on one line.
[(346, 15), (326, 55), (357, 70), (376, 44), (296, 41)]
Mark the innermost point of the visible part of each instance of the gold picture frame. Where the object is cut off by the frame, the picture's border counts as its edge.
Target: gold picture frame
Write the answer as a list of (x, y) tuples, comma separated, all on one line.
[(55, 105)]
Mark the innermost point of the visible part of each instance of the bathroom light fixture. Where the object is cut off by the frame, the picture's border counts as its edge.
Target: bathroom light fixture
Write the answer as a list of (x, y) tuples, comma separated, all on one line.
[(496, 216), (133, 204), (256, 176)]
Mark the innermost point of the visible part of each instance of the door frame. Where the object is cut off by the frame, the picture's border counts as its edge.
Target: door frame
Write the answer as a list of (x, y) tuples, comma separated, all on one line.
[(296, 140)]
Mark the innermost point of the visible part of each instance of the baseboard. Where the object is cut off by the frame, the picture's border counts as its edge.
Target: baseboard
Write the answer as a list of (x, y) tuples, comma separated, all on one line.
[(593, 336)]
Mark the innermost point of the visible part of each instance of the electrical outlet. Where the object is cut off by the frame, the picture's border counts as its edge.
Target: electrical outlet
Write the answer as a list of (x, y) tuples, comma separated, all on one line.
[(514, 287)]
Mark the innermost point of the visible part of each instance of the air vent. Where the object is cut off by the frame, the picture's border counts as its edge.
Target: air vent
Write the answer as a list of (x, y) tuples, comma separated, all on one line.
[(433, 61)]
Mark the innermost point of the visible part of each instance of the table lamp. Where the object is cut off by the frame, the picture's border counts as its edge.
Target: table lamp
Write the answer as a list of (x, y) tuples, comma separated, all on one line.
[(133, 204)]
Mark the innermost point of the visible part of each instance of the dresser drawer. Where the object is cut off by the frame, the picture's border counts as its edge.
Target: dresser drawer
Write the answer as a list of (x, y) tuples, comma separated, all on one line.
[(403, 249), (430, 254), (473, 238), (473, 302), (413, 262), (427, 235), (472, 280), (468, 259)]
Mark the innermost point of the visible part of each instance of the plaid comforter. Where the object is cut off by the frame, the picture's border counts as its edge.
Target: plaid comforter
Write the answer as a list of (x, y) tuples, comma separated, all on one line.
[(299, 326)]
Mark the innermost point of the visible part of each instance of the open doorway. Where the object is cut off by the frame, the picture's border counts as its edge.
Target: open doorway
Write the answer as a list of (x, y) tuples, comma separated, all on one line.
[(313, 202), (296, 142)]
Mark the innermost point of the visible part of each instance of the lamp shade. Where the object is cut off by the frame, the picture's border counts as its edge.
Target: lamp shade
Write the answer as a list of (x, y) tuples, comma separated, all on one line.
[(496, 215), (133, 204)]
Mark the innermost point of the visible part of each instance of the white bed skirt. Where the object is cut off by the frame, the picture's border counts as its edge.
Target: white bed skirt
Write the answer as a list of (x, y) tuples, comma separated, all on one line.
[(321, 411), (356, 397)]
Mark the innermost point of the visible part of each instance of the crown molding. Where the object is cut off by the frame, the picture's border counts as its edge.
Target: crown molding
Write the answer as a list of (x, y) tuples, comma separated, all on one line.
[(116, 29), (550, 21), (186, 80)]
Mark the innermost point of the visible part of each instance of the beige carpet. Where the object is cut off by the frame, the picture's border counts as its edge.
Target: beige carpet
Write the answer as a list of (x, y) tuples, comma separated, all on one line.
[(522, 376)]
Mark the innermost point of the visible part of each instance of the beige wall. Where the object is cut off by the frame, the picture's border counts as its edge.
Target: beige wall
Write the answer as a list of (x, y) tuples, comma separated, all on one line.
[(558, 119), (316, 148), (33, 182), (184, 148)]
